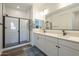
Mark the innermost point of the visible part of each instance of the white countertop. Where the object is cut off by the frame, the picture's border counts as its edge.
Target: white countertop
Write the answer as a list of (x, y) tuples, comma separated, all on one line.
[(66, 37)]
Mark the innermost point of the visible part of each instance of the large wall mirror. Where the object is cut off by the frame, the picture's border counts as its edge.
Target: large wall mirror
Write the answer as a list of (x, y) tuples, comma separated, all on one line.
[(65, 18)]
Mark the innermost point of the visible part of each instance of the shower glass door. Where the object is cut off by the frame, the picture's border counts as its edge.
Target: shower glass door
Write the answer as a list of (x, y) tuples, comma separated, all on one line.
[(24, 30), (11, 31)]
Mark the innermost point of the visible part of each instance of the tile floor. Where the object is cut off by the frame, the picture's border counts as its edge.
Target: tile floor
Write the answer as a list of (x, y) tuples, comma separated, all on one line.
[(32, 51), (27, 50)]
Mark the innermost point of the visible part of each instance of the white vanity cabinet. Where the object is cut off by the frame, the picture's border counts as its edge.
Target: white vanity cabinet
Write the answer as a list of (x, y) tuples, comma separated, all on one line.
[(39, 41), (66, 51), (36, 40), (51, 49), (53, 46), (46, 44), (68, 48)]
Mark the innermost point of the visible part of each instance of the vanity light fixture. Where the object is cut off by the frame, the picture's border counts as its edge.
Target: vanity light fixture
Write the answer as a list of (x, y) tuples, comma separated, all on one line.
[(44, 12)]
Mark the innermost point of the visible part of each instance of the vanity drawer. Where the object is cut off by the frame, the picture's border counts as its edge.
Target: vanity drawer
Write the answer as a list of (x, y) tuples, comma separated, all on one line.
[(35, 36), (51, 39), (41, 36), (70, 44)]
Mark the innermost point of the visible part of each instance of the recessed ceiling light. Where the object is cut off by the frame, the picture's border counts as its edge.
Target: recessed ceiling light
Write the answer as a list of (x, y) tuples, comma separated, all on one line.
[(18, 7)]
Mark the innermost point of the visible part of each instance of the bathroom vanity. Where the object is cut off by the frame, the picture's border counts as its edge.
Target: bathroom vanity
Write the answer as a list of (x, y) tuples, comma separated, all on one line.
[(56, 45), (52, 44)]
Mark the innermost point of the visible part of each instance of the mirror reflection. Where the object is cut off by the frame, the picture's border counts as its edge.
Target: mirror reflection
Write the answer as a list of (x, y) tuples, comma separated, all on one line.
[(65, 18)]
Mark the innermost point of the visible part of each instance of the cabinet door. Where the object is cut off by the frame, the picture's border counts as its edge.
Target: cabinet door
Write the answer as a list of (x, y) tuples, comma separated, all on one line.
[(42, 43), (66, 51), (36, 38), (68, 48), (51, 48)]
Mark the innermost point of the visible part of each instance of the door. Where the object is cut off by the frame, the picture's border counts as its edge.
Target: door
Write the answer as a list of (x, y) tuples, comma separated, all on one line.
[(24, 30), (42, 43), (66, 51), (50, 47), (68, 48), (11, 31), (36, 39)]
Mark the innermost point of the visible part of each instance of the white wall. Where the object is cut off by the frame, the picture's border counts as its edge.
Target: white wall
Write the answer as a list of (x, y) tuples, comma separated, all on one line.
[(36, 12), (17, 12), (76, 21), (0, 27)]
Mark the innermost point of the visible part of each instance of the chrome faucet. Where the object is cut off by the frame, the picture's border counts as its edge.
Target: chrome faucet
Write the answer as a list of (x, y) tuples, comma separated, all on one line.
[(44, 30), (64, 33)]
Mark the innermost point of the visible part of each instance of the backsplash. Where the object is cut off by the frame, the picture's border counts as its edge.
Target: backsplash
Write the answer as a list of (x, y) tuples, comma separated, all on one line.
[(70, 33), (73, 33), (54, 31)]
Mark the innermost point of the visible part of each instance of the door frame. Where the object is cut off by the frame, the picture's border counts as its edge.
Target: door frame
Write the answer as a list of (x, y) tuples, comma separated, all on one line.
[(18, 28)]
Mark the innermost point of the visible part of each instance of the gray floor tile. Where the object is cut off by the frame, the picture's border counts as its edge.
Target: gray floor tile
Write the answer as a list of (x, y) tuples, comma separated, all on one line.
[(32, 51)]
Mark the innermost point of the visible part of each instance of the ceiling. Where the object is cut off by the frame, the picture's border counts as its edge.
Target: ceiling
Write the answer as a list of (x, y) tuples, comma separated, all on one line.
[(26, 6), (40, 6), (50, 6), (23, 6)]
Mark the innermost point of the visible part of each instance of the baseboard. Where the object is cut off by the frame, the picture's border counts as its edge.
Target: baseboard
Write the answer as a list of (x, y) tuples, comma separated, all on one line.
[(41, 51)]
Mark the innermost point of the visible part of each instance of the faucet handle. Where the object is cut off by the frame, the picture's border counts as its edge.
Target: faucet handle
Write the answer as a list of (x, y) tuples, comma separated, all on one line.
[(64, 33)]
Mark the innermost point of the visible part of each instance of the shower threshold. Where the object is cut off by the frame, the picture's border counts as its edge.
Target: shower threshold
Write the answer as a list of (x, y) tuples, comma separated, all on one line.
[(16, 43)]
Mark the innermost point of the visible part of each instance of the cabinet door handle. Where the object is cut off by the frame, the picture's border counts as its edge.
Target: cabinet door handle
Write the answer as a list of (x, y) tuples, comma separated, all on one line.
[(58, 46)]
